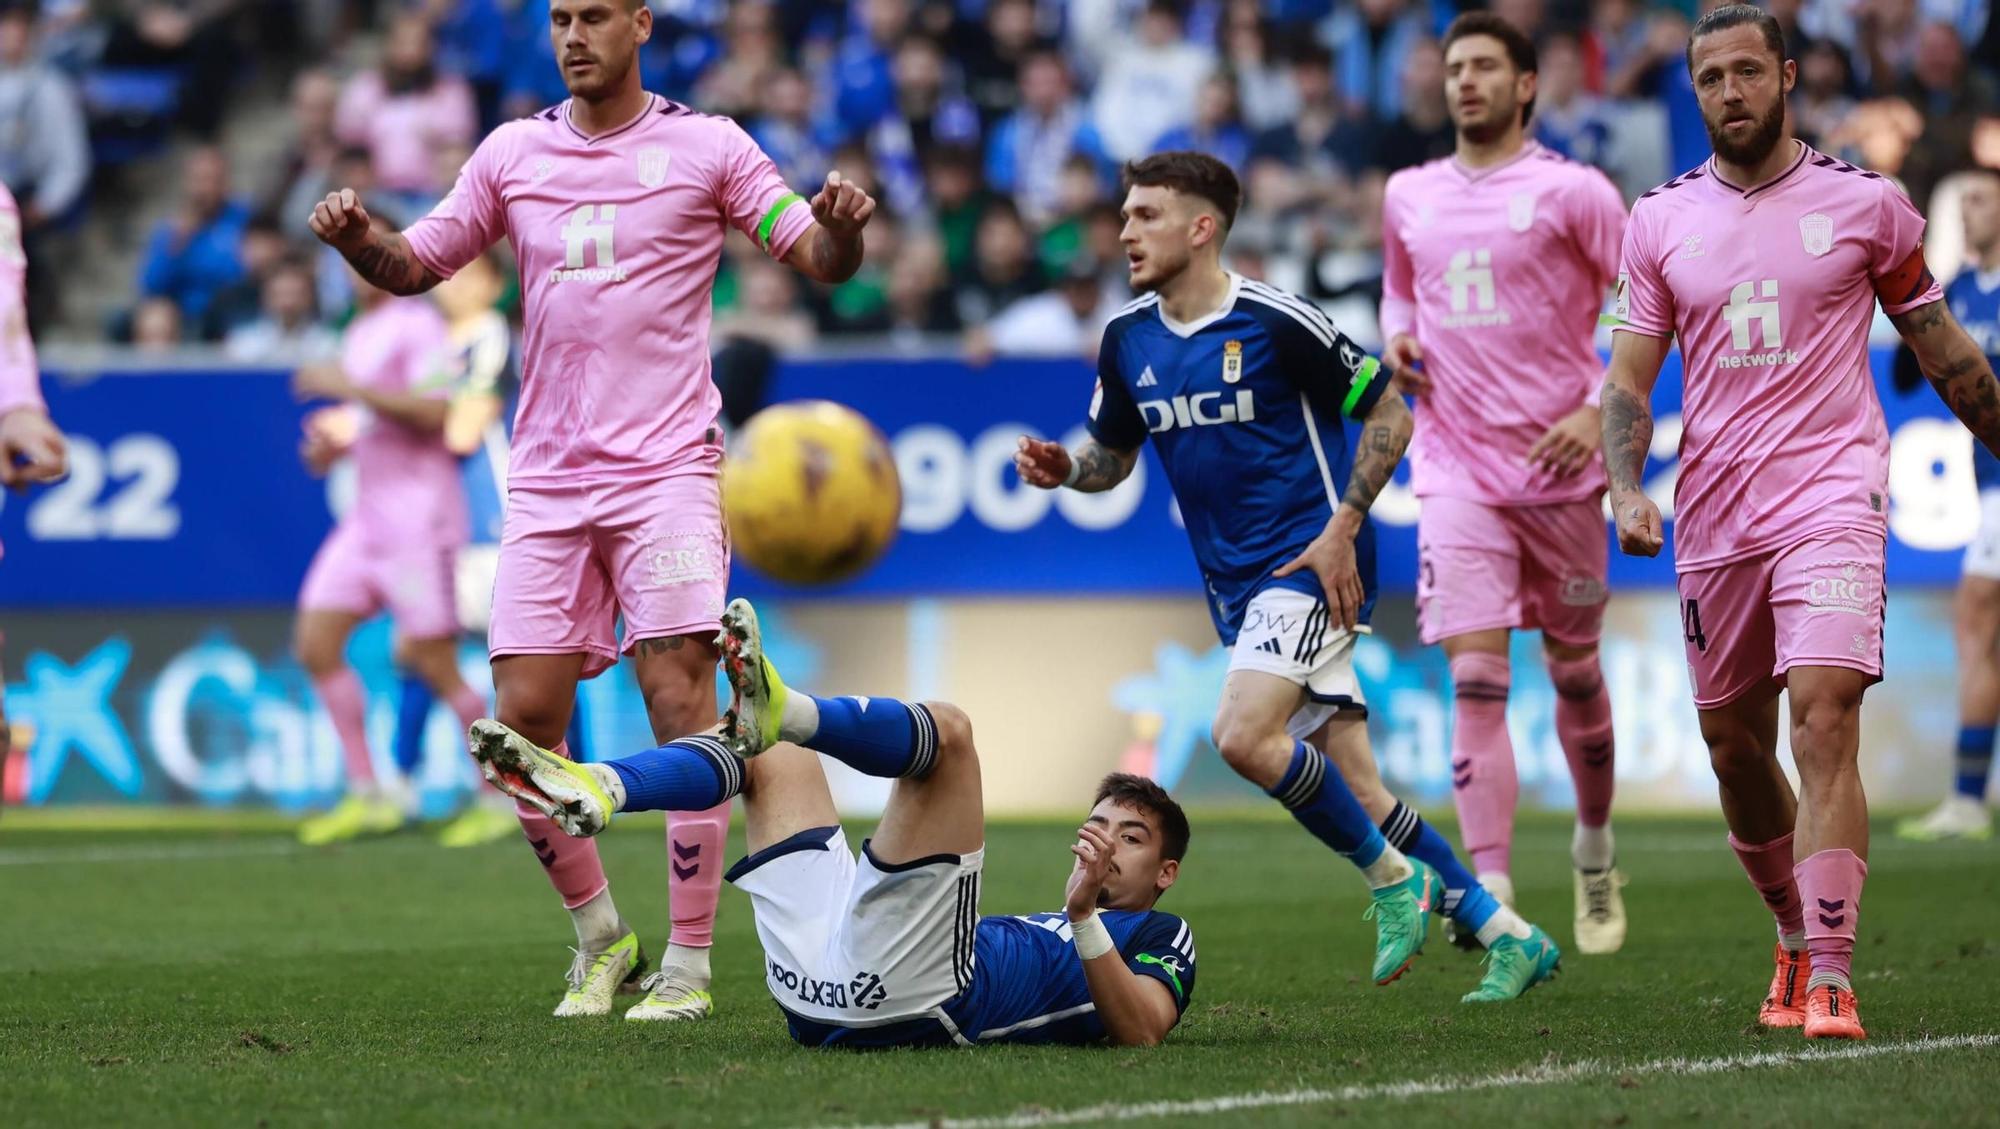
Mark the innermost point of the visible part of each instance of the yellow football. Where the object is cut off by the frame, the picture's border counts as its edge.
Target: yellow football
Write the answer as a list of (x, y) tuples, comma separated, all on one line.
[(811, 493)]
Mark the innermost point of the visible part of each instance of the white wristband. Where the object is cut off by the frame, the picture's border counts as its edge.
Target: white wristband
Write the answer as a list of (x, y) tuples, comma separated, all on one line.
[(1075, 472), (1093, 940)]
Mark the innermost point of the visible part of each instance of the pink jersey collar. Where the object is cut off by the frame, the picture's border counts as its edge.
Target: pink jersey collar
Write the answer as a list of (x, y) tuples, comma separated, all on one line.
[(652, 107), (1528, 149), (1805, 153)]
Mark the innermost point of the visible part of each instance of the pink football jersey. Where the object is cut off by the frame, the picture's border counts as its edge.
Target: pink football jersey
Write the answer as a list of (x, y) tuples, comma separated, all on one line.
[(618, 238), (409, 493), (1499, 273), (1771, 292), (20, 381)]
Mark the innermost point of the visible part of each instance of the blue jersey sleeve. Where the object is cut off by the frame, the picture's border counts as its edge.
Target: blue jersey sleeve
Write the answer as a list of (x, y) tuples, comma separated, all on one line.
[(1163, 948), (1337, 375), (1114, 417)]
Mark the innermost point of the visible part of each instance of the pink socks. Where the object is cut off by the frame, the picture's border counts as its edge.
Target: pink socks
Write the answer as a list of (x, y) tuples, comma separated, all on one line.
[(573, 867), (1769, 866), (1830, 882), (695, 842), (1483, 779), (346, 706), (1583, 725)]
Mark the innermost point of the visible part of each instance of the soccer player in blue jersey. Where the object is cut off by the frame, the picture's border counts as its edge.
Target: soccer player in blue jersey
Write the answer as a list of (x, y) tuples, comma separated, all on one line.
[(1974, 298), (1245, 389), (889, 949)]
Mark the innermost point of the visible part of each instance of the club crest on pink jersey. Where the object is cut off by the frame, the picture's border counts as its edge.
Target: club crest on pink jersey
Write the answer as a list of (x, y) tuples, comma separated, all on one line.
[(1520, 212), (653, 162), (1816, 232)]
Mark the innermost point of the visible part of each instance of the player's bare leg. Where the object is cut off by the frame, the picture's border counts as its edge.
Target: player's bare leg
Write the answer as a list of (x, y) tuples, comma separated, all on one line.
[(1583, 726), (319, 641), (435, 661), (677, 680), (1976, 629), (942, 812), (1832, 843), (1250, 733), (1758, 806), (536, 693), (1485, 784)]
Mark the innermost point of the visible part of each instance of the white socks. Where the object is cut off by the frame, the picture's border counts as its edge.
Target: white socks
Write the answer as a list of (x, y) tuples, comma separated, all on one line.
[(691, 962), (1504, 923), (1387, 870), (800, 720), (597, 923), (1592, 848), (608, 779)]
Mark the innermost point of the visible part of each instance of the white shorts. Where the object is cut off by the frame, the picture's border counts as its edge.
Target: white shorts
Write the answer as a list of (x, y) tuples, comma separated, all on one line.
[(1982, 557), (1288, 633), (855, 942)]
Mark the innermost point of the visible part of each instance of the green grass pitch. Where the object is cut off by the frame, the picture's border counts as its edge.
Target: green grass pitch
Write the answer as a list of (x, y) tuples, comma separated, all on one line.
[(190, 975)]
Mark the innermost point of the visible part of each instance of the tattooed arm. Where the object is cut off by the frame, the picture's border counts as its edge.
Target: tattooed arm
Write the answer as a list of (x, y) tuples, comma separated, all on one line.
[(1627, 410), (1385, 434), (1956, 367), (1091, 468), (379, 255), (830, 250)]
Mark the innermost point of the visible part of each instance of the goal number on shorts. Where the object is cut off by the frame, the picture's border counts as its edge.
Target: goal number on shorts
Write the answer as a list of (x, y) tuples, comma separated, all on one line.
[(1691, 625)]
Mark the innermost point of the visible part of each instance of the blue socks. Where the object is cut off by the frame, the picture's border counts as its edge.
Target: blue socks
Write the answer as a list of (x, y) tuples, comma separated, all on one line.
[(1974, 761), (1318, 798), (878, 736), (1465, 900), (413, 709), (691, 774)]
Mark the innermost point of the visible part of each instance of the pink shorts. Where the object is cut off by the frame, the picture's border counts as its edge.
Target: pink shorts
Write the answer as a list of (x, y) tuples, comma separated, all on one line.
[(415, 586), (574, 559), (1482, 567), (1815, 602)]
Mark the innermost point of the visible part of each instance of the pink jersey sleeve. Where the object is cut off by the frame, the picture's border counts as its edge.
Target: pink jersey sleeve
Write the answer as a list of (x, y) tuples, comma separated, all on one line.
[(1399, 295), (20, 382), (1643, 304), (755, 196), (359, 100), (466, 222), (1899, 230), (1597, 225)]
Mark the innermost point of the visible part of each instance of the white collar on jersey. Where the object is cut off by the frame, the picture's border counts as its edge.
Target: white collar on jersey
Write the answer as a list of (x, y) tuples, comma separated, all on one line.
[(1190, 328)]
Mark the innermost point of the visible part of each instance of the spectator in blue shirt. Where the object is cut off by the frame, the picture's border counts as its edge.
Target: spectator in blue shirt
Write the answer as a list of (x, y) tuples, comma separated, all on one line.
[(1026, 153), (194, 255), (863, 73), (784, 129), (1371, 41), (1569, 119), (1217, 129)]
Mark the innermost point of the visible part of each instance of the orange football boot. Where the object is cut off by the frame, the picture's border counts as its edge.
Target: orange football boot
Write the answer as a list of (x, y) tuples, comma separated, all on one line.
[(1785, 1004), (1831, 1014)]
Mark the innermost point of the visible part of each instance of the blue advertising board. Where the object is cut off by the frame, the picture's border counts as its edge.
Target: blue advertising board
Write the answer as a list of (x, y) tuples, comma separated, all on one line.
[(186, 491)]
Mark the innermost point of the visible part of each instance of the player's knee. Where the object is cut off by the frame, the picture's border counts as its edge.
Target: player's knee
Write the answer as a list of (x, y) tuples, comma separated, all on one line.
[(1252, 751), (538, 716), (1734, 755), (1824, 729), (954, 732), (1576, 676), (320, 657), (677, 710)]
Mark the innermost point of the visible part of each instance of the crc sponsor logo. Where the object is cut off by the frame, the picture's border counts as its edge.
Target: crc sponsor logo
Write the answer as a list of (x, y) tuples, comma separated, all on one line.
[(865, 991), (1847, 587), (1582, 592), (683, 558), (1203, 409)]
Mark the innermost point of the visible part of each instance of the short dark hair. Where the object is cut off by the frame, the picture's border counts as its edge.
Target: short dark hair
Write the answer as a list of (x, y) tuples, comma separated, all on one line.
[(1196, 174), (1738, 15), (1520, 49), (1141, 794)]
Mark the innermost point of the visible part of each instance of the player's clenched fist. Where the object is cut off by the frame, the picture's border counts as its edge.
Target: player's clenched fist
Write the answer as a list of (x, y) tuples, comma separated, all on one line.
[(842, 207), (1405, 358), (1042, 462), (340, 220), (1639, 525), (1086, 880)]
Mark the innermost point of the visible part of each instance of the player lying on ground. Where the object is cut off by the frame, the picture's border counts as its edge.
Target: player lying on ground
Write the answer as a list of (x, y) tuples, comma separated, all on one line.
[(1244, 389), (889, 949)]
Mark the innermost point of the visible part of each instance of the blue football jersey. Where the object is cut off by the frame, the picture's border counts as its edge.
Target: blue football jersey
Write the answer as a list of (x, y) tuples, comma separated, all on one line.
[(1975, 302), (1246, 410), (1028, 986)]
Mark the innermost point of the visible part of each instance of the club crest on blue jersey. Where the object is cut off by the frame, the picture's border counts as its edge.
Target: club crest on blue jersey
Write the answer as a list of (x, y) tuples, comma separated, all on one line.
[(1232, 361)]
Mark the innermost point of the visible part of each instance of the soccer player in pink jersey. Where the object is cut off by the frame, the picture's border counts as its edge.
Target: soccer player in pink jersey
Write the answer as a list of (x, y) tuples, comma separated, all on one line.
[(31, 447), (1766, 263), (396, 549), (1496, 261), (616, 203)]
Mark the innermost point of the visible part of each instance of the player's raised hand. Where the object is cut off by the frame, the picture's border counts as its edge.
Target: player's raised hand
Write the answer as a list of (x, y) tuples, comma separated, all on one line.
[(340, 221), (31, 448), (1331, 558), (321, 380), (1640, 527), (1093, 851), (1405, 358), (1042, 462), (1565, 449), (841, 206)]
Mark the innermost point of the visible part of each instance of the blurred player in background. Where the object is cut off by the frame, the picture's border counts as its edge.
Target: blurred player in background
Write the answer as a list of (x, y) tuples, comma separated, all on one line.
[(396, 549), (1974, 298), (1495, 265), (1244, 389), (889, 950), (31, 447), (616, 203), (1782, 497)]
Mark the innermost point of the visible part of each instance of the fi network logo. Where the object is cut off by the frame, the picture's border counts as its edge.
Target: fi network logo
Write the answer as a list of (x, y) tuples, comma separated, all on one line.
[(1474, 303), (588, 238)]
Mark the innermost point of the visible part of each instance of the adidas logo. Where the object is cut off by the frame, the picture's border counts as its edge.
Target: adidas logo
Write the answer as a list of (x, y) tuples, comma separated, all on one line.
[(1270, 647), (1147, 380)]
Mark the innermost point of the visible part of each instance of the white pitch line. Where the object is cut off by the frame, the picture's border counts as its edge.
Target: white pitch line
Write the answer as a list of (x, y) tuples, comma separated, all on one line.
[(155, 852), (1414, 1088)]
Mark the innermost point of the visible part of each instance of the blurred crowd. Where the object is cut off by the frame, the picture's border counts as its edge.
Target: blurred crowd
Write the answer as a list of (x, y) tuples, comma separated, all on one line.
[(991, 130)]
